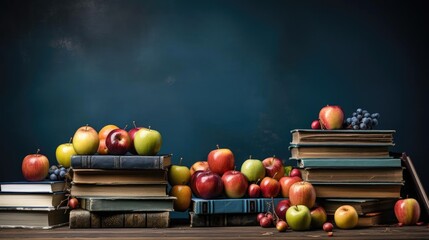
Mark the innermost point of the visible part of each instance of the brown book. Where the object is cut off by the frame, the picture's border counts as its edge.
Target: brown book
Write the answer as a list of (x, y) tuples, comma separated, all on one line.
[(352, 174), (343, 151), (109, 176), (80, 218), (358, 190), (31, 199), (44, 218), (130, 190), (362, 205), (223, 220), (358, 137)]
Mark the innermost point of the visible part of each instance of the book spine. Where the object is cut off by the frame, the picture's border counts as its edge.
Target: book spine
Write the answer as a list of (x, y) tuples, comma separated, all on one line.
[(117, 162), (222, 220), (141, 204), (80, 218), (218, 206)]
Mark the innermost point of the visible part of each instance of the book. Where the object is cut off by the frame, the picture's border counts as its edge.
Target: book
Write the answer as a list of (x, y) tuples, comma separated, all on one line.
[(223, 220), (44, 218), (345, 162), (39, 186), (359, 137), (339, 151), (80, 218), (31, 199), (130, 190), (362, 206), (117, 176), (121, 161), (352, 174), (230, 205), (142, 204), (358, 190)]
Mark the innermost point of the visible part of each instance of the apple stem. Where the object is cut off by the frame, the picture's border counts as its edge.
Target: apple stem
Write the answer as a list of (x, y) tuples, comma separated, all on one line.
[(70, 139), (38, 150), (275, 174), (125, 126), (250, 156), (134, 123), (217, 146), (86, 126), (149, 127), (180, 161)]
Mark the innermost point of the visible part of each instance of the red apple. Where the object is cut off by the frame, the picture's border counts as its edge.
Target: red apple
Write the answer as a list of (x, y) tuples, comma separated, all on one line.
[(281, 226), (132, 133), (208, 185), (235, 184), (270, 187), (254, 190), (331, 117), (73, 203), (302, 193), (281, 208), (273, 167), (193, 182), (35, 167), (318, 217), (286, 182), (221, 160), (199, 165), (315, 124), (295, 173), (118, 142), (407, 211), (328, 227)]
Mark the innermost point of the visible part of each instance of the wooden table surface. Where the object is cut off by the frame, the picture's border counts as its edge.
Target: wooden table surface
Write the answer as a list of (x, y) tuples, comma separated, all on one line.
[(185, 232)]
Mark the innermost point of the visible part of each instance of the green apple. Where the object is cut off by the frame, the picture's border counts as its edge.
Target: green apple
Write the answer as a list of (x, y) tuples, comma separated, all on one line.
[(253, 170), (298, 217), (287, 170), (85, 140), (179, 175), (147, 142), (63, 153)]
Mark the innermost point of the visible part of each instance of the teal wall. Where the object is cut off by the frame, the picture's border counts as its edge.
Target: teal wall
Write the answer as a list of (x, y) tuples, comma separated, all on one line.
[(240, 74)]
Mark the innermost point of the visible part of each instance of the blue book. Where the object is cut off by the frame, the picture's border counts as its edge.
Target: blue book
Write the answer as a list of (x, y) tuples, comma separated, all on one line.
[(239, 205), (121, 161), (345, 162)]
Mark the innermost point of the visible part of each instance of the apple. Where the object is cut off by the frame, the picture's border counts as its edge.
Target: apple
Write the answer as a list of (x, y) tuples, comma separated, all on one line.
[(235, 184), (328, 227), (208, 185), (183, 194), (331, 117), (253, 169), (315, 124), (254, 190), (318, 217), (132, 133), (346, 217), (273, 167), (407, 211), (193, 182), (118, 142), (281, 208), (85, 140), (221, 160), (199, 165), (63, 154), (298, 217), (147, 141), (302, 193), (73, 203), (179, 174), (260, 216), (295, 172), (270, 187), (285, 183), (104, 131), (281, 226), (35, 167)]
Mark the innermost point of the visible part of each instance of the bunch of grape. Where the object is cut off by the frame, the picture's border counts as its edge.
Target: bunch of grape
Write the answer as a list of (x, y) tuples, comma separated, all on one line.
[(57, 173), (362, 120)]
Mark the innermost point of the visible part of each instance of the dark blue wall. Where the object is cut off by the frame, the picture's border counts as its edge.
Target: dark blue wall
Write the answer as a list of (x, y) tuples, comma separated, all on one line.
[(241, 74)]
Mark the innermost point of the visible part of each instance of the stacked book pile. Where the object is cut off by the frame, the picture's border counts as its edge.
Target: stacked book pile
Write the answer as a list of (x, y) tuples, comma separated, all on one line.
[(351, 167), (120, 191), (33, 204)]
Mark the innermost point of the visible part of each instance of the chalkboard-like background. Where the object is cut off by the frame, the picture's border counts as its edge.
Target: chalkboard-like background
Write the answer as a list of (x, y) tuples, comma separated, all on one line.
[(240, 74)]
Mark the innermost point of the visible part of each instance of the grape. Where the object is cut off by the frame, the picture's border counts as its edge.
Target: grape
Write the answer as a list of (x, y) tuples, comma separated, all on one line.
[(53, 177), (375, 115), (63, 173), (364, 112), (57, 171), (348, 120), (365, 120), (375, 122), (62, 169), (355, 127), (359, 117), (362, 119), (354, 114), (362, 126), (359, 110), (367, 114)]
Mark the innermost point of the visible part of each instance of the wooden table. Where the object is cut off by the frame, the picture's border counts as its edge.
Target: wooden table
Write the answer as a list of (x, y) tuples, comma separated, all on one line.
[(185, 232)]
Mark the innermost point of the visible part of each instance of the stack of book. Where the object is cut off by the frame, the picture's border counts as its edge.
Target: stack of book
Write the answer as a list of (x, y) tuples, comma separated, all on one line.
[(120, 191), (33, 204), (351, 167), (229, 212)]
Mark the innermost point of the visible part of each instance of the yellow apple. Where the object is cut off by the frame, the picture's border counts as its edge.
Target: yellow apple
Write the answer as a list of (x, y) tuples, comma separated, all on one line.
[(179, 175), (183, 196), (85, 140), (346, 217), (63, 153)]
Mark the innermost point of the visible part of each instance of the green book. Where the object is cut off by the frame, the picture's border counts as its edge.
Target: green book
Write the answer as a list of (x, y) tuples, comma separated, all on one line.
[(144, 204)]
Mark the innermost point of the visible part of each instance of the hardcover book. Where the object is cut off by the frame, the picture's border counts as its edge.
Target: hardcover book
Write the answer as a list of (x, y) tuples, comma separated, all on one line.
[(117, 176), (80, 218), (345, 162), (32, 199), (223, 220), (121, 161), (358, 137), (362, 206), (142, 204), (230, 205), (130, 190), (43, 218), (358, 190), (360, 174), (299, 151), (27, 187)]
